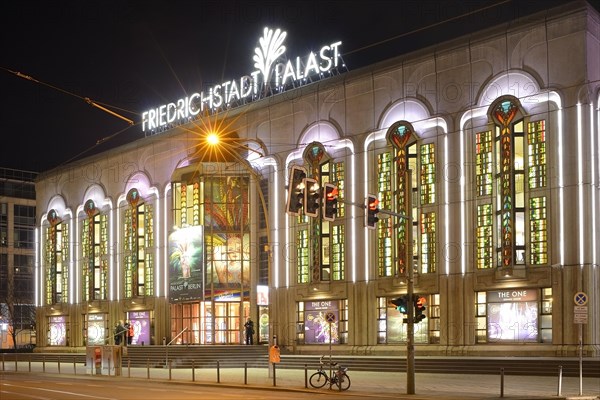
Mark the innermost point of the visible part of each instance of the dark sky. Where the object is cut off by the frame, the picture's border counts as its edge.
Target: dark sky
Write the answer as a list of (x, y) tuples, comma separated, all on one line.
[(134, 55)]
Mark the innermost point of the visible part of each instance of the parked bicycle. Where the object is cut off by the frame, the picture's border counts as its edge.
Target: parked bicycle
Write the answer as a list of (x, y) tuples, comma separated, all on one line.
[(338, 376)]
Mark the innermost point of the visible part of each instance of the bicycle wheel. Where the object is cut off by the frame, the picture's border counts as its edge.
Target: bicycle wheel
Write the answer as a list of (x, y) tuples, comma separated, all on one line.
[(343, 382), (318, 379)]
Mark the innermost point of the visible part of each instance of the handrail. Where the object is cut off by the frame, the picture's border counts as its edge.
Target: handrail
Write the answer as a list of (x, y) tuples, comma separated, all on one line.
[(167, 346), (179, 334)]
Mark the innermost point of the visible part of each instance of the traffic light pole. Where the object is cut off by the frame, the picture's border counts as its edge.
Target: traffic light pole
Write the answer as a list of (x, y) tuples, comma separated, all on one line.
[(410, 326)]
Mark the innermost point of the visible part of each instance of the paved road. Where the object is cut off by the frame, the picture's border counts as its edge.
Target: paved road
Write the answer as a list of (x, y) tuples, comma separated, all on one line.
[(364, 384)]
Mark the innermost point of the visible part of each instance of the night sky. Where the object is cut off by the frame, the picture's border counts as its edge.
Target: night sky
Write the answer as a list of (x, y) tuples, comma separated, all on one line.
[(131, 56)]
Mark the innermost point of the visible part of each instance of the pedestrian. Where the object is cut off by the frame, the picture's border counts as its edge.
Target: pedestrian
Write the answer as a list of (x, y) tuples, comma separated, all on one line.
[(120, 333), (126, 326), (249, 325), (130, 332)]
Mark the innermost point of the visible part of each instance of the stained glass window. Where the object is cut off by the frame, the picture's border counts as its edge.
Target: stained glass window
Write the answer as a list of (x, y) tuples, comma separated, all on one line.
[(57, 263), (536, 143), (332, 258), (95, 257), (428, 247), (483, 163), (338, 180), (138, 264), (485, 244), (337, 253), (384, 231), (538, 226), (427, 176), (303, 257)]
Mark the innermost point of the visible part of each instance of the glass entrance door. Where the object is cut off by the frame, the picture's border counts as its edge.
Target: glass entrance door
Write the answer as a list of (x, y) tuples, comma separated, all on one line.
[(227, 323)]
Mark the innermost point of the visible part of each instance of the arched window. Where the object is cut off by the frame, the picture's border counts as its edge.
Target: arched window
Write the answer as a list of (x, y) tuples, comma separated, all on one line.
[(510, 183), (138, 238), (413, 196), (94, 238), (320, 243)]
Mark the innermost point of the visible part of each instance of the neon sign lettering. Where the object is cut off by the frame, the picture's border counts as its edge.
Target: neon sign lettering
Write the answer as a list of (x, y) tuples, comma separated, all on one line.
[(268, 71)]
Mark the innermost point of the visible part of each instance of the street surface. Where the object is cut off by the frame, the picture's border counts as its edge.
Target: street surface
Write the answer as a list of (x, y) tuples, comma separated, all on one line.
[(257, 384)]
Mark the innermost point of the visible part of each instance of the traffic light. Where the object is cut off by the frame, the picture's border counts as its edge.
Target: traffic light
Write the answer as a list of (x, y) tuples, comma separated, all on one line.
[(401, 303), (372, 209), (296, 190), (312, 197), (420, 308), (330, 193)]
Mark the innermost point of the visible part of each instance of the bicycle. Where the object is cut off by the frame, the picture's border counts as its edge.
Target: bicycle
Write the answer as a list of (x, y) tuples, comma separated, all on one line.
[(338, 377)]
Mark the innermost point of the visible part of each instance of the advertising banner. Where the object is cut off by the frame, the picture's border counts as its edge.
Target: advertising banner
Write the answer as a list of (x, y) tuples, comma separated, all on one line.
[(186, 264)]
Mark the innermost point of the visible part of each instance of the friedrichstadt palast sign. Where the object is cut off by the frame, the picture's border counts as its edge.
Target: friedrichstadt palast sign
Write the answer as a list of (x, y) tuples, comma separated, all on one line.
[(268, 71)]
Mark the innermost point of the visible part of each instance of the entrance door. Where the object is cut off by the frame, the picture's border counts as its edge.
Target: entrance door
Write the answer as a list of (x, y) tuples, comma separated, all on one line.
[(227, 323)]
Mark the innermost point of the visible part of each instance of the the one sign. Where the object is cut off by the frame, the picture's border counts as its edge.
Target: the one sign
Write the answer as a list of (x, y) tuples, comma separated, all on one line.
[(269, 73)]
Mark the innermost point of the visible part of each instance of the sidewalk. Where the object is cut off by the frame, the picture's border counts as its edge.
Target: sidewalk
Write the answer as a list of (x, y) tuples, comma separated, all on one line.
[(363, 384)]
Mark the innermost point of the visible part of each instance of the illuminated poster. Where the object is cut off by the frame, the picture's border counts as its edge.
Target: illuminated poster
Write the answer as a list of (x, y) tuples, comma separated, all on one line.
[(227, 219), (512, 315), (96, 330), (262, 295), (263, 325), (186, 264), (140, 320), (316, 328), (58, 331)]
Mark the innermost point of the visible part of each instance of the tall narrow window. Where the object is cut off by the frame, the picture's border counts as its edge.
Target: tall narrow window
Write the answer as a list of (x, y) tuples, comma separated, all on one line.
[(538, 226), (428, 248), (483, 163), (485, 243), (139, 236), (95, 254), (427, 175), (303, 257), (332, 238), (56, 258), (384, 227), (536, 143)]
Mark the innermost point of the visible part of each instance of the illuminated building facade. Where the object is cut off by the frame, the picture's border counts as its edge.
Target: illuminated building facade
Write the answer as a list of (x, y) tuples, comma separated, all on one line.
[(483, 153)]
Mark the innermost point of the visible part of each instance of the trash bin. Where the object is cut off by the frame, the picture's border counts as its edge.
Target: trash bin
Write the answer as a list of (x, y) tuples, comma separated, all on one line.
[(274, 354)]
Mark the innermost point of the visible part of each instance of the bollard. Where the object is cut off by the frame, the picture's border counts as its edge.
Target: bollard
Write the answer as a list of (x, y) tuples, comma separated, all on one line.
[(170, 363), (305, 376), (2, 362), (74, 367), (148, 368), (59, 364), (245, 373), (43, 363), (274, 374), (501, 382), (218, 373), (193, 370), (559, 380), (129, 368), (30, 363), (16, 364)]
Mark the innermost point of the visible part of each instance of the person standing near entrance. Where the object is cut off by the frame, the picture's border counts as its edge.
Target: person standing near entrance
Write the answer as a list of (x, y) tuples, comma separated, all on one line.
[(249, 325)]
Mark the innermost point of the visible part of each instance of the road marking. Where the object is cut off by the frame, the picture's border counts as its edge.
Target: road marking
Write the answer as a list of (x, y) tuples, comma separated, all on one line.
[(59, 391)]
